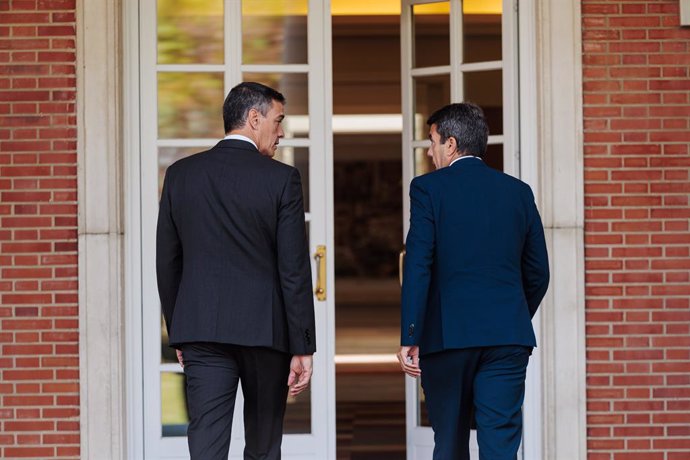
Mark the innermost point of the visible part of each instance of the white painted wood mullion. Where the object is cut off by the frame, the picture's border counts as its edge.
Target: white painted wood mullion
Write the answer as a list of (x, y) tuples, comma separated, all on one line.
[(482, 66), (415, 434), (457, 88), (186, 142), (511, 95), (232, 36), (421, 144), (131, 102), (298, 142), (190, 68), (275, 68), (497, 139), (430, 71)]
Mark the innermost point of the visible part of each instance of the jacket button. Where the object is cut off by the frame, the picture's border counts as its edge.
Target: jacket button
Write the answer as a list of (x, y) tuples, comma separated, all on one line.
[(410, 330)]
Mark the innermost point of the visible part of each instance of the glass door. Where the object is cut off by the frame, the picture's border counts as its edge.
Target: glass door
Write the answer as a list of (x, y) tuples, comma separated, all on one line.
[(192, 54), (453, 51)]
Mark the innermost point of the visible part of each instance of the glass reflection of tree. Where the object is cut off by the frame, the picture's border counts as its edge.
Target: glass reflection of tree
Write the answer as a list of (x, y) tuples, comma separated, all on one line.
[(274, 32), (190, 105), (190, 32)]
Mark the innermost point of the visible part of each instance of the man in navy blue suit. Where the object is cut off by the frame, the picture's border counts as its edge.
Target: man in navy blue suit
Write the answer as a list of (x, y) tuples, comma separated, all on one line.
[(475, 272)]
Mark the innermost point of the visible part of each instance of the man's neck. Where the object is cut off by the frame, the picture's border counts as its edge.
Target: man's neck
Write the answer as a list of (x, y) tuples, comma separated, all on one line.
[(241, 135)]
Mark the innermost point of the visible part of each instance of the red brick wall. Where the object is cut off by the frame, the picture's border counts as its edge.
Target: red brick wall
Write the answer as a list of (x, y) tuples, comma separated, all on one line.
[(636, 62), (39, 361)]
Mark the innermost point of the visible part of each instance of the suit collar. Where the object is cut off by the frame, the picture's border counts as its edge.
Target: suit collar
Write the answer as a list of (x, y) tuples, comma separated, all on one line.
[(236, 144), (468, 162)]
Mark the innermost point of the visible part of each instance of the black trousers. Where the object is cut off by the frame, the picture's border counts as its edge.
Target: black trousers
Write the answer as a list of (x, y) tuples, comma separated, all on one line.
[(487, 384), (213, 372)]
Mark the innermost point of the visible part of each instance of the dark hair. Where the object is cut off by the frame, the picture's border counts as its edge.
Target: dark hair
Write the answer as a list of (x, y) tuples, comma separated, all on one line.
[(244, 97), (466, 123)]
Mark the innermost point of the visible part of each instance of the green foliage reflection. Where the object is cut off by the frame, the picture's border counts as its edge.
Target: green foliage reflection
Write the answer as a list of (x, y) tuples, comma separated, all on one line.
[(190, 32)]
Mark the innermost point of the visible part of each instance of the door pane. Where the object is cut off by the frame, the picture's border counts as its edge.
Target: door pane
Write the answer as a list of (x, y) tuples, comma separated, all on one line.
[(494, 156), (190, 32), (430, 94), (486, 90), (431, 29), (422, 162), (174, 416), (299, 158), (295, 89), (298, 414), (189, 105), (481, 30), (168, 156), (422, 413), (274, 32)]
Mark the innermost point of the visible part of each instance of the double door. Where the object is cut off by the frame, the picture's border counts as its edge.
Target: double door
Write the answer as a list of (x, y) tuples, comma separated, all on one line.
[(193, 52)]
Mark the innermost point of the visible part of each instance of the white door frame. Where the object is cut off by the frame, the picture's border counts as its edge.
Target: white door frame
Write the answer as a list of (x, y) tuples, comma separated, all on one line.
[(108, 148), (320, 443)]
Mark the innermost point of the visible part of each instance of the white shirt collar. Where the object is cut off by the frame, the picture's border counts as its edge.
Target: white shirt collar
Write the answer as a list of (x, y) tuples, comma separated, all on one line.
[(239, 137), (462, 158)]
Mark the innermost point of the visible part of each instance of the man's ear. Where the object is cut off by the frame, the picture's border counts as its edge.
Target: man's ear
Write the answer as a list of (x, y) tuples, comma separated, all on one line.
[(253, 117), (452, 145)]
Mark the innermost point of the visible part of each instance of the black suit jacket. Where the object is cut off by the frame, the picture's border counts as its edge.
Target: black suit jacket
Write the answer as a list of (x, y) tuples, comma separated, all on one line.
[(232, 257)]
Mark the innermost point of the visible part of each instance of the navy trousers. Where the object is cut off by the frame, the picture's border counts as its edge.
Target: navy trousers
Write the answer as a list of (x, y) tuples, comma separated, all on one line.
[(487, 382), (213, 372)]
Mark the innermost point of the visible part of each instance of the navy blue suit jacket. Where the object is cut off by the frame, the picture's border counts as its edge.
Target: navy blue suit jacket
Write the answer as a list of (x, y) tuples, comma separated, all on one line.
[(232, 257), (476, 266)]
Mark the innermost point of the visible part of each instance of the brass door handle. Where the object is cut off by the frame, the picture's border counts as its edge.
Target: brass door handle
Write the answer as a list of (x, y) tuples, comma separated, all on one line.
[(320, 257), (401, 264)]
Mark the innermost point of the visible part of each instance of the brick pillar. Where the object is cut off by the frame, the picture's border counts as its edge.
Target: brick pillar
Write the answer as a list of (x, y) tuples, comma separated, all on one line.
[(637, 240), (39, 330)]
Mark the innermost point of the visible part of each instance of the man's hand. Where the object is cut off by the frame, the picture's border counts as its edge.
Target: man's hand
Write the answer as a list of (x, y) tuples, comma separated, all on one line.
[(409, 360), (300, 373), (179, 357)]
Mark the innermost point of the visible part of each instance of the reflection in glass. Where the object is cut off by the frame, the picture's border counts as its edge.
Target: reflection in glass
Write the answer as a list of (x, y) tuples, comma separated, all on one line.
[(190, 32), (431, 29), (274, 32), (422, 414), (190, 105), (486, 90), (422, 162), (168, 354), (298, 413), (168, 156), (295, 89), (430, 94), (481, 37), (299, 158), (494, 156), (174, 416)]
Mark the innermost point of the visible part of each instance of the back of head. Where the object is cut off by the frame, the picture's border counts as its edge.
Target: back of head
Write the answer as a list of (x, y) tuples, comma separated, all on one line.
[(464, 122), (242, 98)]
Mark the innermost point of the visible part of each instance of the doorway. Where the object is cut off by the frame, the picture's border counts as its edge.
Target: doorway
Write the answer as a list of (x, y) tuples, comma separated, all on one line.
[(367, 183), (339, 65)]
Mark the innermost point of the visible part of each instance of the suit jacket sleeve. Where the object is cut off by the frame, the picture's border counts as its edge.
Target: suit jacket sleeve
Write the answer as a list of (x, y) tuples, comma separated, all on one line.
[(535, 260), (168, 255), (419, 258), (294, 269)]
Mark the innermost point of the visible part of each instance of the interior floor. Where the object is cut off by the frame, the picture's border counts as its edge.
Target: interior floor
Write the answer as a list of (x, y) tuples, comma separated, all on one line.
[(370, 393)]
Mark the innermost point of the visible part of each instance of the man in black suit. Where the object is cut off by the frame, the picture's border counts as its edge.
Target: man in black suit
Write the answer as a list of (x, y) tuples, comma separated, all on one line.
[(476, 270), (234, 278)]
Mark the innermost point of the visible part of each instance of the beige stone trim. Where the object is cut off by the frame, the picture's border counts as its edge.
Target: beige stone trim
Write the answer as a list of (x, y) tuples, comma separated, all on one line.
[(561, 198), (100, 230)]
